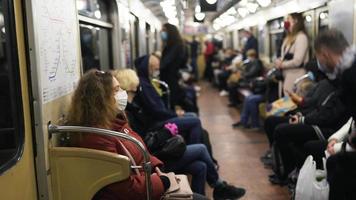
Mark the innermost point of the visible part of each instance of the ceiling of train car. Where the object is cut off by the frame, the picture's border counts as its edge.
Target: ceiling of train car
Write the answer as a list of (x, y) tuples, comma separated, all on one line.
[(167, 9), (184, 12)]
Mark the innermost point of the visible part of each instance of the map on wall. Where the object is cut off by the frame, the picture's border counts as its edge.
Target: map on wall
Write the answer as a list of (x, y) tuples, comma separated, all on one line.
[(58, 47)]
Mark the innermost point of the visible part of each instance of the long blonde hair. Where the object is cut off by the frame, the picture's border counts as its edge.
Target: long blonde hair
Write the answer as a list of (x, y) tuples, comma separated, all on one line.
[(298, 26), (93, 102)]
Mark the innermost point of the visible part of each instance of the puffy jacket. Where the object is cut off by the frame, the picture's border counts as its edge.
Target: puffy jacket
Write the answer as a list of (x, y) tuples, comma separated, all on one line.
[(134, 187)]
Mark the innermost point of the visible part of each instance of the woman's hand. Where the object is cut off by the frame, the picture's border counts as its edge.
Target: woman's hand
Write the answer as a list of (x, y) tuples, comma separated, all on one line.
[(294, 119), (278, 63), (330, 147), (295, 98)]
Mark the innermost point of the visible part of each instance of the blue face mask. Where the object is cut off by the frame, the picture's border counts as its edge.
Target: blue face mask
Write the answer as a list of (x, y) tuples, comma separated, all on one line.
[(311, 76), (164, 35)]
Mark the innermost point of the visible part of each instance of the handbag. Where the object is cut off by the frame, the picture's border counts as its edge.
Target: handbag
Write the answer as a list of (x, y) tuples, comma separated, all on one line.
[(165, 146), (179, 188)]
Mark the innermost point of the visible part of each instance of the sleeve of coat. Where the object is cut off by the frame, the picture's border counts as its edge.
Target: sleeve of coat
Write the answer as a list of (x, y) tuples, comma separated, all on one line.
[(326, 114), (342, 133), (301, 50)]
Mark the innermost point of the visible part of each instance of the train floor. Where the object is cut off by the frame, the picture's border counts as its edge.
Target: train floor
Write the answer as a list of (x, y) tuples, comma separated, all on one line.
[(238, 151)]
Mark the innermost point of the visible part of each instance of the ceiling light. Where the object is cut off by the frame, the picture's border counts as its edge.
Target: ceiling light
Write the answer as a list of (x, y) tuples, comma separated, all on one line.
[(199, 16), (97, 14), (231, 11), (211, 1), (252, 7), (198, 9), (308, 18), (243, 12), (323, 15), (264, 3)]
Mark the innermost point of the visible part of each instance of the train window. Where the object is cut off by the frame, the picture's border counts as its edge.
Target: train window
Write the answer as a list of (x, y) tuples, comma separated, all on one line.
[(11, 119), (95, 34), (94, 9), (323, 21)]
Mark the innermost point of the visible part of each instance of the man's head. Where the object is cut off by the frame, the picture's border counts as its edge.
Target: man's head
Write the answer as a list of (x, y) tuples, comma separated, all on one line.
[(329, 47)]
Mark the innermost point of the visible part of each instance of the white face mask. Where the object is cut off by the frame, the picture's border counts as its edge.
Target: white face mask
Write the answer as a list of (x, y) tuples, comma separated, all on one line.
[(155, 74), (121, 99)]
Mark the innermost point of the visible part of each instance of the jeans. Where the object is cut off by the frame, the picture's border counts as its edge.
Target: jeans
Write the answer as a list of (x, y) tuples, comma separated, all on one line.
[(197, 162), (250, 109), (191, 126)]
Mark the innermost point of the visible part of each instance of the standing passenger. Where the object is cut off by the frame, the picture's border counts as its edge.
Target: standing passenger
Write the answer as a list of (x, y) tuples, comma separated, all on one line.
[(294, 51), (251, 43), (174, 57)]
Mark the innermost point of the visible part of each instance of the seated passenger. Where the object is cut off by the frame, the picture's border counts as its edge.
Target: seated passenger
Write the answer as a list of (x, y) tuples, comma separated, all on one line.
[(251, 69), (153, 106), (98, 102), (195, 160), (327, 116)]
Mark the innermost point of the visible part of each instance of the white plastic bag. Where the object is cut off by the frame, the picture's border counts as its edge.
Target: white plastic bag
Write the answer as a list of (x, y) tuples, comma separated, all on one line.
[(312, 183)]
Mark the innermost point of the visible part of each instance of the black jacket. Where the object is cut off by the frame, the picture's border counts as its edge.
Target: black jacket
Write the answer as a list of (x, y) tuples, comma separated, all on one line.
[(329, 113), (147, 97), (173, 58), (348, 89), (253, 69)]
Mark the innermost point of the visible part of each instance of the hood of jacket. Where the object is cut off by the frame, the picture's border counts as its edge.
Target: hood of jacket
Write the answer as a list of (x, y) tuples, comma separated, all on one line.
[(141, 65)]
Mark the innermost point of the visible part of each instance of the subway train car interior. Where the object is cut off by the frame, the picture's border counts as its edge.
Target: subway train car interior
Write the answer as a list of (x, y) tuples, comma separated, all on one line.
[(177, 99)]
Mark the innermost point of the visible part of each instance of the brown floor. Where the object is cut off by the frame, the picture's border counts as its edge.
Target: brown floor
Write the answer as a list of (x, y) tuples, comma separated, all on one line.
[(238, 151)]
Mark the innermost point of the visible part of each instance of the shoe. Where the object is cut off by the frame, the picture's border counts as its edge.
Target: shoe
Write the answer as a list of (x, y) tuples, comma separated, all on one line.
[(226, 191), (253, 129), (238, 124), (231, 105), (197, 88), (223, 93), (275, 180)]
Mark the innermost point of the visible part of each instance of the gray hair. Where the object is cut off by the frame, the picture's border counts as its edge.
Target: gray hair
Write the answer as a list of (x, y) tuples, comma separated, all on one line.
[(331, 39)]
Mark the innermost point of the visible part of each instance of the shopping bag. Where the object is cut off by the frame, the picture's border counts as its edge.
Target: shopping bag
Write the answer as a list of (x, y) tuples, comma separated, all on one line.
[(312, 183)]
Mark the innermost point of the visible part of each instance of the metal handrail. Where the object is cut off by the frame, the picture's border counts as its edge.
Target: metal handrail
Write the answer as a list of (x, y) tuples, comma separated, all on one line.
[(168, 92), (52, 129)]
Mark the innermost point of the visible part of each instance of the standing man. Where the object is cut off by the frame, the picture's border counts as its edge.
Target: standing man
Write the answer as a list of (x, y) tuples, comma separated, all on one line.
[(194, 48), (251, 43)]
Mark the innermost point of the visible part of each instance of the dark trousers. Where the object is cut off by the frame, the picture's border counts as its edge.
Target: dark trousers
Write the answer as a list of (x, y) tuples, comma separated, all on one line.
[(316, 148), (341, 170), (290, 138), (270, 125), (222, 77), (208, 73)]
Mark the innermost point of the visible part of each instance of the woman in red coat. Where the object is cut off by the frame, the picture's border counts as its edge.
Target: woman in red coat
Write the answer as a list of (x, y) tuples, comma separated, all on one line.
[(96, 103)]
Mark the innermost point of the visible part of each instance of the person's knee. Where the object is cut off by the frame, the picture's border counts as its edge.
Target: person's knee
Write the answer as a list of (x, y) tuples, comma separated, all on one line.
[(280, 134), (199, 167)]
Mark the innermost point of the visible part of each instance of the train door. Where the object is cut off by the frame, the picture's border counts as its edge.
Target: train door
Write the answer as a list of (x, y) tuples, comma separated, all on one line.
[(276, 36), (148, 38), (17, 171), (134, 23), (322, 19), (309, 22)]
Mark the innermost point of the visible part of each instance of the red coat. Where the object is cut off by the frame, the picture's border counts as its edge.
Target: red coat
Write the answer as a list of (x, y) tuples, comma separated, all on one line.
[(134, 187)]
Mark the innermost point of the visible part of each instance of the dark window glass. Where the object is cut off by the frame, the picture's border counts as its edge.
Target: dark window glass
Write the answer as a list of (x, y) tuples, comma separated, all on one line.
[(94, 9), (95, 46), (11, 119)]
